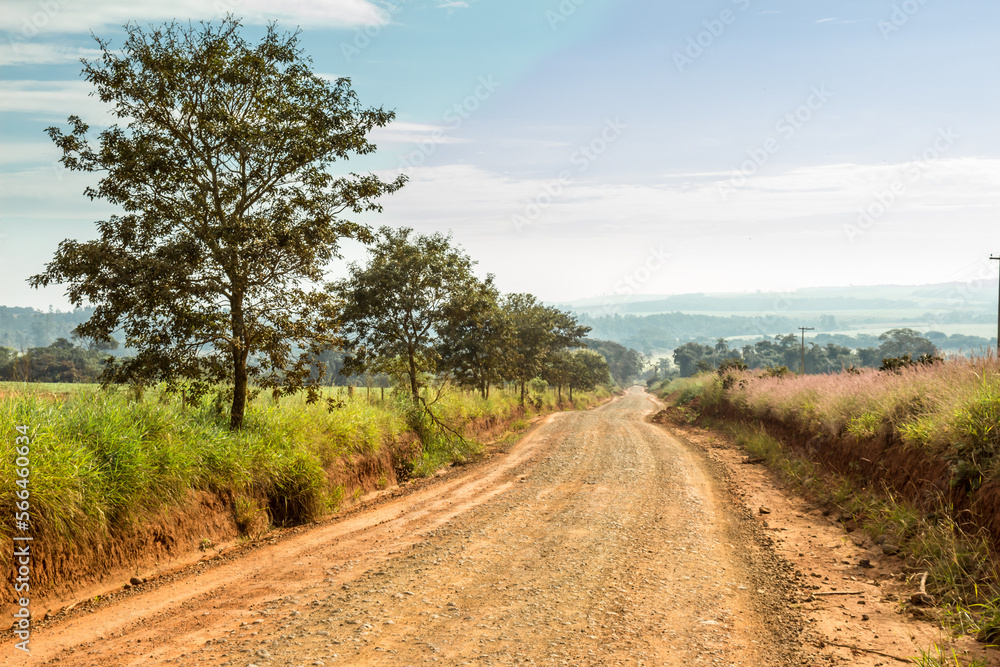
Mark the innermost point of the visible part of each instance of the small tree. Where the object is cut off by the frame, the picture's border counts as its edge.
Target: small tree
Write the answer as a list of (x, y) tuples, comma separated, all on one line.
[(689, 358), (396, 308), (230, 210), (475, 337), (537, 333), (588, 369)]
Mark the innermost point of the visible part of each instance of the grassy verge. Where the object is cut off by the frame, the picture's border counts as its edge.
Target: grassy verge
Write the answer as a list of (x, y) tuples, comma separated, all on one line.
[(947, 415), (101, 462)]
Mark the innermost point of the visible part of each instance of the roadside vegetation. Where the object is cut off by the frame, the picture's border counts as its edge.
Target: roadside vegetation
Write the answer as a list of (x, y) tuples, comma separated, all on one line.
[(102, 462), (909, 454), (212, 281), (787, 350)]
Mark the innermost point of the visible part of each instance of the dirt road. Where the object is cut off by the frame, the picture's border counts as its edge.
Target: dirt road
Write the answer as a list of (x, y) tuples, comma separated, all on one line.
[(598, 539)]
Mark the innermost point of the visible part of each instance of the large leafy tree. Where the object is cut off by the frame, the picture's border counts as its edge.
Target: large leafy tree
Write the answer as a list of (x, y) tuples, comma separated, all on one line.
[(221, 165), (396, 308)]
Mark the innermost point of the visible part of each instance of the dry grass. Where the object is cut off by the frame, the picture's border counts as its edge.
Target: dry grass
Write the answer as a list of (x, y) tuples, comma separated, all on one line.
[(950, 408)]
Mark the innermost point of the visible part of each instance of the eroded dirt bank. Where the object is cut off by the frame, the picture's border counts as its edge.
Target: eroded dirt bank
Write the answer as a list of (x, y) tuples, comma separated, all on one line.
[(598, 539)]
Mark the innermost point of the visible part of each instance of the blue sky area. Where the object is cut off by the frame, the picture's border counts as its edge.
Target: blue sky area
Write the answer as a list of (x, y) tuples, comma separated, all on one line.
[(594, 147)]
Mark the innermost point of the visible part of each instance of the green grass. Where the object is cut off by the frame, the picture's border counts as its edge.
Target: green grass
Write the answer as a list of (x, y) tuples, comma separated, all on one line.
[(101, 461), (47, 387), (941, 657), (687, 389)]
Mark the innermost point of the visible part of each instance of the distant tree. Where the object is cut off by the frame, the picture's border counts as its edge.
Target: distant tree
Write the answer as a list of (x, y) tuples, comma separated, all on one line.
[(62, 344), (327, 365), (666, 368), (537, 332), (222, 166), (790, 347), (624, 363), (688, 356), (721, 347), (102, 345), (476, 337), (396, 308), (869, 357), (62, 361), (587, 371), (897, 342)]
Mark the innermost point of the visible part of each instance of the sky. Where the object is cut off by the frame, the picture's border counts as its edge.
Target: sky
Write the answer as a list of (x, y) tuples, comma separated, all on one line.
[(584, 148)]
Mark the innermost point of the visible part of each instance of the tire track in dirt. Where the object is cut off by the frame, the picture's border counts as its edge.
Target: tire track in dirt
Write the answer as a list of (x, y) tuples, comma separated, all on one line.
[(598, 539)]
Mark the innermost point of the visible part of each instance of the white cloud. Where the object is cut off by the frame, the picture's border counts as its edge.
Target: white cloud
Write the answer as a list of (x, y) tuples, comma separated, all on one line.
[(412, 133), (57, 99), (41, 53), (483, 201), (586, 237), (29, 153), (28, 19)]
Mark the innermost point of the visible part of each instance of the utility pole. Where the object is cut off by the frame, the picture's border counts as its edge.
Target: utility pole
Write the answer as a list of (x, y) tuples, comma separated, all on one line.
[(998, 314), (804, 330)]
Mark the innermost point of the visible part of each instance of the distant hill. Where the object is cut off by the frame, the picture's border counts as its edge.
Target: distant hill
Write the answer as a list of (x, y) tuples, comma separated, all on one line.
[(979, 298), (957, 316), (23, 328)]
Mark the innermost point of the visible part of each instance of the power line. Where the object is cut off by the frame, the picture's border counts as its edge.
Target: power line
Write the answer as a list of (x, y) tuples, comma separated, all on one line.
[(998, 313), (804, 330)]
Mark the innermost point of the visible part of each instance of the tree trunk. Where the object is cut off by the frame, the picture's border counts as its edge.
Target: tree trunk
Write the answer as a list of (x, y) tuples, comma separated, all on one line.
[(414, 390), (522, 392), (239, 367), (239, 393)]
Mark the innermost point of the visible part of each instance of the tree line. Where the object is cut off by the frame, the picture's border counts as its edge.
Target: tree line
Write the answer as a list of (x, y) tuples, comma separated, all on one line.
[(62, 361), (231, 213), (786, 351), (665, 331), (418, 314)]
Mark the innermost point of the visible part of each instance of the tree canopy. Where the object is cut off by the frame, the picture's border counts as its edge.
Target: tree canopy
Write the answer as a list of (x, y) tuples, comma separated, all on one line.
[(396, 308), (538, 332), (221, 164)]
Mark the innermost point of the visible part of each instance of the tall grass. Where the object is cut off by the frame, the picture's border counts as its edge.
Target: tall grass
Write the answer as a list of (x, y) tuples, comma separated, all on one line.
[(949, 411), (101, 461)]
